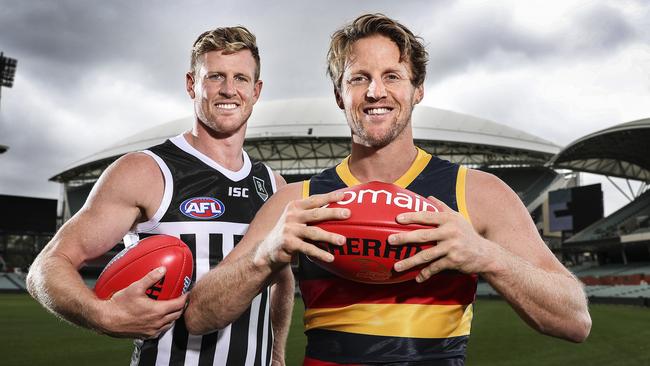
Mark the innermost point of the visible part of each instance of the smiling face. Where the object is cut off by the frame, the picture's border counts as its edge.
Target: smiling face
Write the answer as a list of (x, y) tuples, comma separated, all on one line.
[(224, 90), (376, 92)]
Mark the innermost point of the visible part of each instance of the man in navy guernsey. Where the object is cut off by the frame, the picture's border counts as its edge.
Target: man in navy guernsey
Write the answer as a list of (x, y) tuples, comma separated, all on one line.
[(377, 67), (200, 186)]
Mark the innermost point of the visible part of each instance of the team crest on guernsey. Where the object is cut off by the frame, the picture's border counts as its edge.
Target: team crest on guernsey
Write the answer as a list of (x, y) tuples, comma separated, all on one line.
[(261, 188), (202, 208)]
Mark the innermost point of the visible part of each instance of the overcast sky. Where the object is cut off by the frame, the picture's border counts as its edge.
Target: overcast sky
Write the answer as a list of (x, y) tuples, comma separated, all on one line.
[(93, 72)]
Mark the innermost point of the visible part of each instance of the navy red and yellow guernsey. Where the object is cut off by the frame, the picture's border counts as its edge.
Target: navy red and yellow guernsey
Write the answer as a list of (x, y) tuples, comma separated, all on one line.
[(406, 323)]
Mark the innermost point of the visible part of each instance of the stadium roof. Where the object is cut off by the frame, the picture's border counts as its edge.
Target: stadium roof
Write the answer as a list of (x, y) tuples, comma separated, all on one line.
[(619, 151), (303, 136)]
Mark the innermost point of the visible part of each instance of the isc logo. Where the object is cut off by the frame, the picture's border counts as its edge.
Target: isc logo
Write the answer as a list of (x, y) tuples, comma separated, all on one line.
[(238, 192), (202, 208)]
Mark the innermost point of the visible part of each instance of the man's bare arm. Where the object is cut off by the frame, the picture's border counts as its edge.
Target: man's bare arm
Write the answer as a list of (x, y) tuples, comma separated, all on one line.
[(524, 271), (112, 208), (504, 247), (278, 231)]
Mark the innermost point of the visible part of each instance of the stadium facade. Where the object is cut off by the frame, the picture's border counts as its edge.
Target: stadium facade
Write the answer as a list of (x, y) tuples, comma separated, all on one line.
[(618, 151)]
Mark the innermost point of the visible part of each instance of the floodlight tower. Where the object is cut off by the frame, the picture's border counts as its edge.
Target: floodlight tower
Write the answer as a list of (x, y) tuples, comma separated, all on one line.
[(7, 73)]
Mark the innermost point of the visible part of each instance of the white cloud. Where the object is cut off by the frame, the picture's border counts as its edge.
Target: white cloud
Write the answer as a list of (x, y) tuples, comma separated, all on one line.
[(559, 101)]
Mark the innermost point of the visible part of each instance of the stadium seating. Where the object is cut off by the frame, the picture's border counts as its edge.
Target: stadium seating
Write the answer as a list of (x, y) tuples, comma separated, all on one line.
[(483, 289), (629, 219), (613, 269), (5, 284), (10, 282), (618, 291), (637, 294)]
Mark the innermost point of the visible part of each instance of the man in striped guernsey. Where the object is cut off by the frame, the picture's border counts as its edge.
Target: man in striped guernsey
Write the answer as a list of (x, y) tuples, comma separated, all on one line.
[(200, 186), (378, 67)]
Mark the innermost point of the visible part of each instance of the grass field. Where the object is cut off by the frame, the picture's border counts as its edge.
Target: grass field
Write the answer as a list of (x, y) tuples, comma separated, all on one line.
[(620, 336)]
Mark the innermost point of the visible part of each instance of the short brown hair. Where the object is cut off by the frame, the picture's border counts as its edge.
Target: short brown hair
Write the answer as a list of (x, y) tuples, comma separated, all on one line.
[(411, 47), (227, 39)]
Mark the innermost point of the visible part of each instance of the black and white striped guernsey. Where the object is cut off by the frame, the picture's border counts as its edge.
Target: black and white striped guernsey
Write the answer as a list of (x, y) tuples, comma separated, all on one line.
[(209, 208)]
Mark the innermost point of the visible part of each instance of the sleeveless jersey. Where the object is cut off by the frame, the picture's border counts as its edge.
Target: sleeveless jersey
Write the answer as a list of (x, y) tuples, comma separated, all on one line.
[(406, 323), (209, 208)]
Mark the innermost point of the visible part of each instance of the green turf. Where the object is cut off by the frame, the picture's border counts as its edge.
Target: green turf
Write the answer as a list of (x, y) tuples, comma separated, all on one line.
[(31, 336), (619, 337)]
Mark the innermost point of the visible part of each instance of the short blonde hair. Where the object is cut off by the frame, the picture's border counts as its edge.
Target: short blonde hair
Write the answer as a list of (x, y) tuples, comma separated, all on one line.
[(228, 40), (411, 47)]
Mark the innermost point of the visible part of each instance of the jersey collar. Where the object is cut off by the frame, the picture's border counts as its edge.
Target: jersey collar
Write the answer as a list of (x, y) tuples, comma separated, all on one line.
[(235, 176), (418, 165)]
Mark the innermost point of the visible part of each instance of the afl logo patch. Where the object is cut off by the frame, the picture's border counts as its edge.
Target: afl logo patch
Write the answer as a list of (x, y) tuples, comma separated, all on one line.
[(202, 208)]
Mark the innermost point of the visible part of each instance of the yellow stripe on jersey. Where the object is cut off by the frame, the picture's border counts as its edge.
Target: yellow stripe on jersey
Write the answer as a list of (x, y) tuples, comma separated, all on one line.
[(305, 188), (394, 320), (421, 161), (343, 170), (460, 193)]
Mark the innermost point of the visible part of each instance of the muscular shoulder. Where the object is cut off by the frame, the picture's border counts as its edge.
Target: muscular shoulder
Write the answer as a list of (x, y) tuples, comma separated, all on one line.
[(130, 171), (490, 200), (133, 180), (135, 161)]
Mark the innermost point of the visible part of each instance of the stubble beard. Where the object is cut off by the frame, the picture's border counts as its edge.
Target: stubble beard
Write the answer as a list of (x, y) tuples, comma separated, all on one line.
[(365, 138)]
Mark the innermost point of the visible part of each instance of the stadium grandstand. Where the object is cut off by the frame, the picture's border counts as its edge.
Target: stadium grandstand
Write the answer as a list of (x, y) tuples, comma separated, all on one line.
[(26, 225), (615, 250)]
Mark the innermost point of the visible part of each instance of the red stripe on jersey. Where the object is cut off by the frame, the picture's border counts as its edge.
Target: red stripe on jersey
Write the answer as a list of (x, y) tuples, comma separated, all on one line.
[(450, 288)]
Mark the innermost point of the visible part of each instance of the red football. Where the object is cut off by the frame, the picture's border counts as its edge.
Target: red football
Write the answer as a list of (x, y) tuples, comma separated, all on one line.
[(134, 262), (367, 257)]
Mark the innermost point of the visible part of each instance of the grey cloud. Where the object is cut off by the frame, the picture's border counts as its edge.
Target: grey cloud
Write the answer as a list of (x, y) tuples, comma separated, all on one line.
[(62, 44), (475, 38), (599, 29)]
